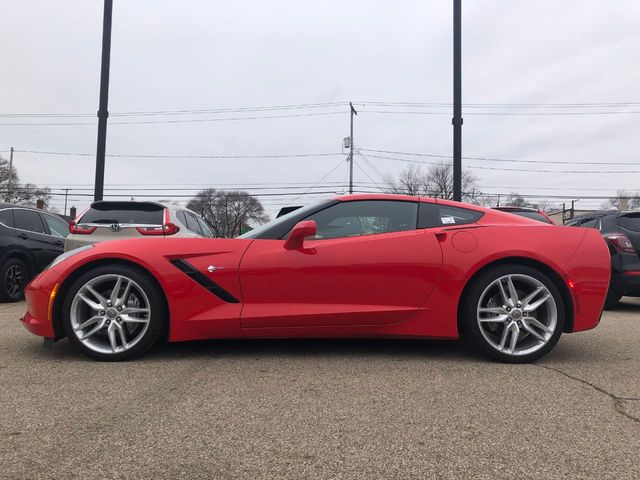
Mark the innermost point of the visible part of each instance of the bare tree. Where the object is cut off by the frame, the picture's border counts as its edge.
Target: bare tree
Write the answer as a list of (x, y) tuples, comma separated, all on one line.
[(436, 181), (227, 211), (15, 192), (411, 181), (623, 201)]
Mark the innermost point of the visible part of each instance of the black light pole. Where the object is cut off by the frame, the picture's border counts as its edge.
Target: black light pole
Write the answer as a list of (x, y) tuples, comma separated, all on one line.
[(103, 112), (457, 100)]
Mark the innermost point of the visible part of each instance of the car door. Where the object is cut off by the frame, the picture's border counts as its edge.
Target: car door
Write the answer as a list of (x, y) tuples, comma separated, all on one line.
[(367, 265), (32, 235), (57, 230)]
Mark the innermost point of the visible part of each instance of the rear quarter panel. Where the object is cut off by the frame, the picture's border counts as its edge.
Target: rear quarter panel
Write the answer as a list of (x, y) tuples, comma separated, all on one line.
[(554, 246)]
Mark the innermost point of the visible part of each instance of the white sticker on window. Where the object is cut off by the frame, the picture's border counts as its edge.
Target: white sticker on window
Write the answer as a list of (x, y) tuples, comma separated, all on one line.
[(447, 220)]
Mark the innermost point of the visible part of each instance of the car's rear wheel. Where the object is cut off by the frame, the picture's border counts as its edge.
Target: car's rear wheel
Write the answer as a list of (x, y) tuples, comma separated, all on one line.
[(512, 313), (14, 276), (114, 313)]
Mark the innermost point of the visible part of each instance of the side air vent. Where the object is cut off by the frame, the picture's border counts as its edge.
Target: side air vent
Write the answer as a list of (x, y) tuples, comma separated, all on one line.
[(203, 280)]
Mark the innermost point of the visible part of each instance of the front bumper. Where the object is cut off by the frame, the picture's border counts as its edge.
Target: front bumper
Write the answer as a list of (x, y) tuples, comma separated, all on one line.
[(38, 294)]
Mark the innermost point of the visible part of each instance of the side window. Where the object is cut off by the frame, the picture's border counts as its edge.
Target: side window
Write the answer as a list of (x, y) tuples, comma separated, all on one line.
[(630, 221), (365, 217), (206, 231), (28, 220), (57, 227), (434, 215), (192, 223), (181, 218), (6, 217)]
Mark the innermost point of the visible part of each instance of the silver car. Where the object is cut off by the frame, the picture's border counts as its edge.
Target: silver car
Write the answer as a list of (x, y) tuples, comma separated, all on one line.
[(115, 220)]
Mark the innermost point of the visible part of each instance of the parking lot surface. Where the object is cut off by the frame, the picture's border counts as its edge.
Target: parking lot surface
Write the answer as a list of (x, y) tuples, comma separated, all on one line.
[(322, 409)]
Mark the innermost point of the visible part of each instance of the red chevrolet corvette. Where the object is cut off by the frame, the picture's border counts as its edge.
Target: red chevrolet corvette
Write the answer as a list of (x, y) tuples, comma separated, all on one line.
[(350, 266)]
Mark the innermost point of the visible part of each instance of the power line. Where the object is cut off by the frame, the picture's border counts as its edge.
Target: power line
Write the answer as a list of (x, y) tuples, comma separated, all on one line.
[(493, 159), (510, 169), (120, 155), (193, 120)]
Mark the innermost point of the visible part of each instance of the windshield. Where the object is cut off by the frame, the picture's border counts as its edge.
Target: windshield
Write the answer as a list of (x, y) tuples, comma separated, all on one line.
[(300, 212)]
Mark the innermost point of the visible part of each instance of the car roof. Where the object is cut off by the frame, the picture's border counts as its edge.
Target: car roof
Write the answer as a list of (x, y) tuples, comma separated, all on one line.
[(516, 209)]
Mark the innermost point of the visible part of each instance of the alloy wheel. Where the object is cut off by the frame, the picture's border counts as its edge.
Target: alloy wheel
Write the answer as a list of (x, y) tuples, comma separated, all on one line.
[(14, 280), (110, 314), (517, 314)]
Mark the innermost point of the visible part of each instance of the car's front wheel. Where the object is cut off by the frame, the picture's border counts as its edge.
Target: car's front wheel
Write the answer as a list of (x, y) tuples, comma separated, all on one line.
[(114, 313), (512, 313)]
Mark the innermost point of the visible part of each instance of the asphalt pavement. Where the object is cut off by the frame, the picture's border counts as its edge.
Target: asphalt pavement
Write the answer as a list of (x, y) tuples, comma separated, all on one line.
[(317, 409)]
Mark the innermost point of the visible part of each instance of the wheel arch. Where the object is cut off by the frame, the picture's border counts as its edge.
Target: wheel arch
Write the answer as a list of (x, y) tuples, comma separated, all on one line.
[(554, 276), (68, 281)]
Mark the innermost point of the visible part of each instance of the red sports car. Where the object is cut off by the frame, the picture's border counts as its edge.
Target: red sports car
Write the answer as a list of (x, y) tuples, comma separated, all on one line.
[(350, 266)]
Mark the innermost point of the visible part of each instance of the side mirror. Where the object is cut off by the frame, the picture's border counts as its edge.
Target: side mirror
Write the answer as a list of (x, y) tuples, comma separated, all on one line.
[(298, 233)]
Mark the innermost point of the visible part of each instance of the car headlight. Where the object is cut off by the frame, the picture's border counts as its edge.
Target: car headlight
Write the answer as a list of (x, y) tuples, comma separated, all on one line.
[(68, 254)]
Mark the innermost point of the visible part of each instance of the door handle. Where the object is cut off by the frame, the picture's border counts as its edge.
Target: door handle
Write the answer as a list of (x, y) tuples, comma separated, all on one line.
[(59, 244), (23, 236)]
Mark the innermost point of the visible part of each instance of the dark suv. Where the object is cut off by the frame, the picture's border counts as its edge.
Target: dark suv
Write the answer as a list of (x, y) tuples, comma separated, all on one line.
[(29, 241), (621, 230)]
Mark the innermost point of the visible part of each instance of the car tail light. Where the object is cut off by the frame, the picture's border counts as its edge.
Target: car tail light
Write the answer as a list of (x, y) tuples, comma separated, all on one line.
[(167, 228), (79, 229), (621, 243)]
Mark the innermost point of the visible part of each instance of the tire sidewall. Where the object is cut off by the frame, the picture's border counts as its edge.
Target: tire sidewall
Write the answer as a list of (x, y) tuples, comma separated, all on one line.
[(470, 329), (157, 322)]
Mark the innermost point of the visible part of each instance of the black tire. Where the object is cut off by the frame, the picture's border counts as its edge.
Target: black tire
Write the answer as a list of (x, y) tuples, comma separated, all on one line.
[(157, 322), (612, 301), (470, 329), (14, 276)]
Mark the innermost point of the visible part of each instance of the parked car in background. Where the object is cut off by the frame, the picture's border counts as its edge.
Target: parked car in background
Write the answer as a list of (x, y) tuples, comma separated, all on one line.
[(621, 231), (30, 239), (116, 220), (526, 212)]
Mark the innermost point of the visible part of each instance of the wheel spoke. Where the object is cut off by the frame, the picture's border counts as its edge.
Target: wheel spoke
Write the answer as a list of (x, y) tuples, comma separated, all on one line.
[(498, 319), (515, 333), (498, 310), (123, 298), (532, 331), (93, 305), (97, 296), (111, 333), (535, 305), (513, 294), (126, 318), (503, 294), (91, 321), (526, 300), (116, 289), (505, 336), (92, 331), (135, 310), (536, 323)]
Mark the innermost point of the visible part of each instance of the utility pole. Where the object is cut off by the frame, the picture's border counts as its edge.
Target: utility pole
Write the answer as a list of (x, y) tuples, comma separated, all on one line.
[(457, 100), (103, 112), (353, 112), (10, 183), (66, 193)]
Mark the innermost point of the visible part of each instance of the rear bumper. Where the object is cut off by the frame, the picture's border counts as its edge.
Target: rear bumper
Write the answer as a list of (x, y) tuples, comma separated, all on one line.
[(625, 284)]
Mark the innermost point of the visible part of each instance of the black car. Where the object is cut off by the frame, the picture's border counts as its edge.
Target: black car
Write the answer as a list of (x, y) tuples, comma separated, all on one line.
[(621, 230), (29, 241), (532, 213)]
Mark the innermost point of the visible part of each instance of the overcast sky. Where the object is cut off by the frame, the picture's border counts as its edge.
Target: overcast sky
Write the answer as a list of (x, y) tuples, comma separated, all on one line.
[(203, 54)]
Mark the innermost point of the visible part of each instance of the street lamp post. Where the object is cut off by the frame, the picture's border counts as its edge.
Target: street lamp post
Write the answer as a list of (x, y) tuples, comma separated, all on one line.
[(103, 112)]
